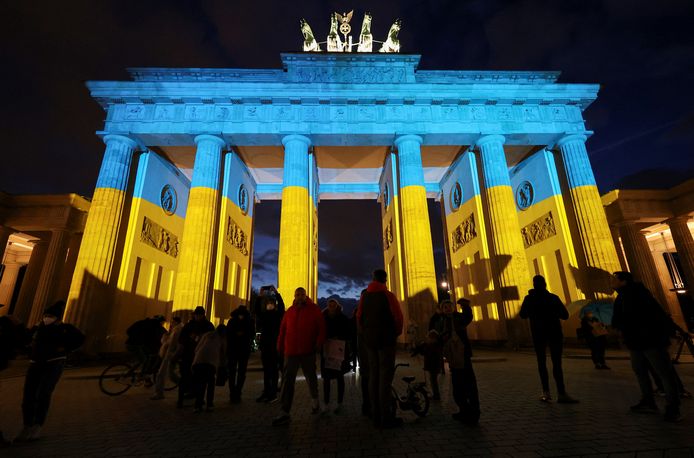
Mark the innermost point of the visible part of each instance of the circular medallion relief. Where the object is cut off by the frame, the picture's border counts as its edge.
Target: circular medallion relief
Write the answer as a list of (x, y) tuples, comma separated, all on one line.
[(456, 196), (525, 195), (168, 199), (243, 199)]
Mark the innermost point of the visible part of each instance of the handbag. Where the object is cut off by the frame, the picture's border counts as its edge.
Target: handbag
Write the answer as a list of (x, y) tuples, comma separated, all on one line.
[(454, 350)]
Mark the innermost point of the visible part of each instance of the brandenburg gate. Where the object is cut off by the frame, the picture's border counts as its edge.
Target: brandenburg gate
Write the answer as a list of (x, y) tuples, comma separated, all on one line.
[(190, 152)]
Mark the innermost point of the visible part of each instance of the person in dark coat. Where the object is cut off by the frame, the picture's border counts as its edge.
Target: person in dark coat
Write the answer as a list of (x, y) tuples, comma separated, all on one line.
[(594, 332), (463, 379), (380, 322), (268, 324), (240, 330), (144, 341), (11, 339), (646, 331), (338, 334), (51, 342), (432, 352), (191, 333), (545, 311)]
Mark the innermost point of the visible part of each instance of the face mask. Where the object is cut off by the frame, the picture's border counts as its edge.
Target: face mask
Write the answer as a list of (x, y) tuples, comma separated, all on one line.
[(47, 320)]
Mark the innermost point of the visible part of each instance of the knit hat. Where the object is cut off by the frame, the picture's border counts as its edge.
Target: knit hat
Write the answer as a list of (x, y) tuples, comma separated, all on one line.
[(199, 310), (56, 310)]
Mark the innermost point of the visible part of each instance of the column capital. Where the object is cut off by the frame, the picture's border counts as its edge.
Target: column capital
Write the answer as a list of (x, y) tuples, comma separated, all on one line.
[(570, 138), (408, 138), (678, 219), (296, 138), (117, 138), (485, 139), (210, 138)]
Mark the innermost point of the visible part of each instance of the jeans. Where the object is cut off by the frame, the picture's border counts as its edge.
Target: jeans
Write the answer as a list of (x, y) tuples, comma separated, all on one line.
[(291, 367), (465, 394), (238, 363), (597, 349), (271, 372), (204, 381), (39, 384), (659, 359), (340, 388), (381, 372), (434, 382), (555, 349), (185, 385)]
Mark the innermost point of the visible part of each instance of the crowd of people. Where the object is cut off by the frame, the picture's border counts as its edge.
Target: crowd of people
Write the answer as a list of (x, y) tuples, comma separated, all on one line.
[(291, 338)]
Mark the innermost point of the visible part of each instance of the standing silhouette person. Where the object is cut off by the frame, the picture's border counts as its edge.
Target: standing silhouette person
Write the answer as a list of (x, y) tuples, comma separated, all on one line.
[(380, 319), (646, 330), (545, 311)]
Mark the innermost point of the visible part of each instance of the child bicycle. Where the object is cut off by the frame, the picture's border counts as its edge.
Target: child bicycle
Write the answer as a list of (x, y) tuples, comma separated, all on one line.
[(416, 397), (118, 378)]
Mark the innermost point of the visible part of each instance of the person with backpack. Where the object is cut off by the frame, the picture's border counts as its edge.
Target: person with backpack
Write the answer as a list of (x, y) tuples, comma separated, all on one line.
[(380, 321), (240, 330)]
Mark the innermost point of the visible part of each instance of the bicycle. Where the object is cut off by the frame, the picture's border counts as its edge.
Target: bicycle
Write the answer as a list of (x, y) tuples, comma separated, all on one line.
[(118, 378), (416, 397)]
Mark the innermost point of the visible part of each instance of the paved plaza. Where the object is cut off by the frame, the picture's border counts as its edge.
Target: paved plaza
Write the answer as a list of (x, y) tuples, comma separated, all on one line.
[(84, 422)]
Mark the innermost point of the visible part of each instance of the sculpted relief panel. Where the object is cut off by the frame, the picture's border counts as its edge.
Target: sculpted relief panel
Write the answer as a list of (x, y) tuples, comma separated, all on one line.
[(236, 236), (539, 230), (157, 237), (464, 233)]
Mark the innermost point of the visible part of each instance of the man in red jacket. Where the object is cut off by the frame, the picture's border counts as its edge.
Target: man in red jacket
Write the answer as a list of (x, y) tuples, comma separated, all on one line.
[(379, 318), (302, 334)]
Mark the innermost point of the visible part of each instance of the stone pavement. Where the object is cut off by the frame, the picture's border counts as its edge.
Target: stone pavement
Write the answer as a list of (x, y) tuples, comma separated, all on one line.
[(84, 422)]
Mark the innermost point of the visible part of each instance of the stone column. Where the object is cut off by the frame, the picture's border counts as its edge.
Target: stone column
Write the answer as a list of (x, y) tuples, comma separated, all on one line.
[(9, 280), (506, 242), (73, 249), (418, 253), (294, 261), (196, 264), (55, 257), (684, 244), (640, 259), (5, 233), (25, 299), (93, 270), (599, 254)]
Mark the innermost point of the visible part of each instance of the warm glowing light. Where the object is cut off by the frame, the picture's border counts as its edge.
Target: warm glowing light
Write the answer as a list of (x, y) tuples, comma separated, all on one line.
[(444, 284)]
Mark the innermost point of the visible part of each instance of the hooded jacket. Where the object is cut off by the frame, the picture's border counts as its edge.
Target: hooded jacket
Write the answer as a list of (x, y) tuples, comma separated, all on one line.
[(302, 330), (545, 311), (53, 342)]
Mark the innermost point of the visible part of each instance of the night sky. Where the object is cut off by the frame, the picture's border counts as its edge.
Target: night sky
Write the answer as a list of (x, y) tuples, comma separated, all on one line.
[(642, 54)]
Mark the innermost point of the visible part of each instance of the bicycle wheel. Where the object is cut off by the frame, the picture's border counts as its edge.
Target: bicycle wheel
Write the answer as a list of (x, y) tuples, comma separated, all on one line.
[(173, 377), (420, 402), (116, 379)]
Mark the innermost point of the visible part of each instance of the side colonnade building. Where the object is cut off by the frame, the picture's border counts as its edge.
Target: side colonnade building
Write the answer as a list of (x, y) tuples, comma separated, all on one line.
[(189, 152)]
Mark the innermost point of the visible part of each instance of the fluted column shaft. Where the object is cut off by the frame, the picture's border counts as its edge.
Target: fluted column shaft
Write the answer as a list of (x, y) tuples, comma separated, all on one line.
[(5, 233), (195, 268), (420, 273), (593, 230), (507, 244), (296, 238), (55, 256), (25, 299), (94, 266), (684, 243), (7, 285), (640, 259)]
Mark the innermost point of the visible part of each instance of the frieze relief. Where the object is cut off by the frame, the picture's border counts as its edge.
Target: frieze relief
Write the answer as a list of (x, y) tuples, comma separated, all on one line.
[(539, 230), (354, 75), (157, 237), (464, 233), (388, 235), (236, 237)]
